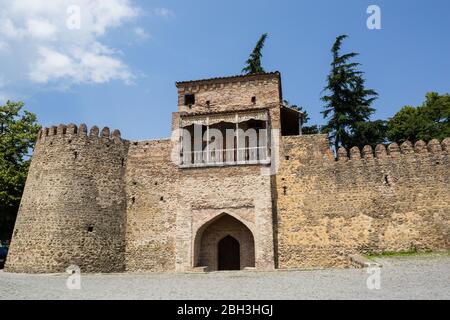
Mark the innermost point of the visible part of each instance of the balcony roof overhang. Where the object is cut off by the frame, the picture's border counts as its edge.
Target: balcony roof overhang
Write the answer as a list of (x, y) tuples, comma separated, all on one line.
[(228, 117)]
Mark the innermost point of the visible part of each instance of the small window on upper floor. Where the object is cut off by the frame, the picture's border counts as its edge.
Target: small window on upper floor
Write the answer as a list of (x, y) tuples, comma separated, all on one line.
[(189, 99), (253, 100)]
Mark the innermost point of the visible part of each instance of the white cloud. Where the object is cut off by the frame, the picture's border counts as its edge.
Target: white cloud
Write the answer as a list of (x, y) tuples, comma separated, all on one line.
[(53, 65), (99, 68), (107, 14), (37, 47), (164, 13), (96, 65), (40, 28), (8, 30), (141, 33)]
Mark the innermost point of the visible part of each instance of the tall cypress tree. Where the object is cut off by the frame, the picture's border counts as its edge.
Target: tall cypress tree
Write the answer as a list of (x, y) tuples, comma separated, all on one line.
[(253, 64), (347, 101)]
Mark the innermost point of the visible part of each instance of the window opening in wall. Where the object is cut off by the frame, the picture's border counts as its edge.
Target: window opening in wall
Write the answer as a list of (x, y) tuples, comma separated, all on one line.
[(253, 100), (189, 99), (90, 229)]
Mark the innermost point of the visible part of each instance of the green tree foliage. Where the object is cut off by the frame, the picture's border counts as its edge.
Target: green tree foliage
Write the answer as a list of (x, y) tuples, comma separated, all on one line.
[(426, 122), (369, 133), (348, 102), (313, 129), (18, 132), (253, 64)]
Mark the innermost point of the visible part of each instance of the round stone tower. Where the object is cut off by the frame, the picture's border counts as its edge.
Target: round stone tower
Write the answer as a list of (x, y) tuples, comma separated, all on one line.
[(73, 210)]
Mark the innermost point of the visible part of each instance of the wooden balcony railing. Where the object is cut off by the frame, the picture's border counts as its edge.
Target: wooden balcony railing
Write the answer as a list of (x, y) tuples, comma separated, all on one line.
[(225, 157)]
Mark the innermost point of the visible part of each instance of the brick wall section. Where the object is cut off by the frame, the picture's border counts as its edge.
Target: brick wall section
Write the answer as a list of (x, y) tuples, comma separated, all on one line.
[(152, 201), (394, 200), (242, 192), (166, 206), (74, 184), (230, 94)]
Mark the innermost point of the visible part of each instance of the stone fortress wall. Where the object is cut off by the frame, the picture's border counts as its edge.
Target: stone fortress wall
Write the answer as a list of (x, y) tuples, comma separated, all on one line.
[(73, 207), (110, 205), (368, 201)]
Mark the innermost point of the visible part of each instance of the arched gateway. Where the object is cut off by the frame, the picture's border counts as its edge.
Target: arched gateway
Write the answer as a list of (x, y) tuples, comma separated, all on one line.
[(224, 243)]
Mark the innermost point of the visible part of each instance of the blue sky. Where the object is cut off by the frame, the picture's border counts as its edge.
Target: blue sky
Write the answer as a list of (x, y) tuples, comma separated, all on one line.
[(124, 74)]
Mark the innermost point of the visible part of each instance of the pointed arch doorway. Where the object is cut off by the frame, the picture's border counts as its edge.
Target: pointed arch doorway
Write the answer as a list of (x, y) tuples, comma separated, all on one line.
[(224, 243)]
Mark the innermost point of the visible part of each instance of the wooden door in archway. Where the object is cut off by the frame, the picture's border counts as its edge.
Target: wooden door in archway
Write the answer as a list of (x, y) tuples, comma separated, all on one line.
[(229, 254)]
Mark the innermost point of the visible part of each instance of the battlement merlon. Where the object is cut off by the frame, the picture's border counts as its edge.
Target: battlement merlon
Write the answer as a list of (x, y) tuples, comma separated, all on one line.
[(72, 130), (434, 147), (316, 149)]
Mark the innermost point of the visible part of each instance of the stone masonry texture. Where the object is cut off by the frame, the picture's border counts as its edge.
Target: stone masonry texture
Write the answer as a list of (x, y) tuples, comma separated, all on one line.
[(106, 204), (391, 200)]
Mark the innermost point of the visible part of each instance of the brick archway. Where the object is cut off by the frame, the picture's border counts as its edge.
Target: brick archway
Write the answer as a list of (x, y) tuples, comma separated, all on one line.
[(208, 241)]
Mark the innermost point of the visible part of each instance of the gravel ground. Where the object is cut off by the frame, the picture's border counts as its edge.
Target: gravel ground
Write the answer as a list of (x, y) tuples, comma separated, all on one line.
[(420, 277)]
